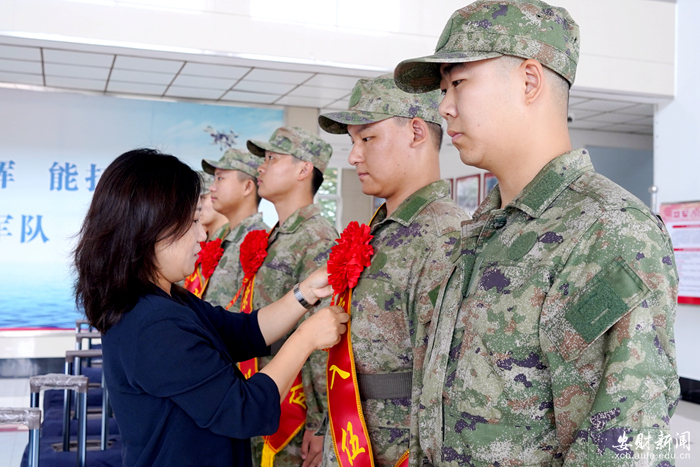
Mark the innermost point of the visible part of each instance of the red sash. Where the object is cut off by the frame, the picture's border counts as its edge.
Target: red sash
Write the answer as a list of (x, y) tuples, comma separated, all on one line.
[(293, 406), (347, 423)]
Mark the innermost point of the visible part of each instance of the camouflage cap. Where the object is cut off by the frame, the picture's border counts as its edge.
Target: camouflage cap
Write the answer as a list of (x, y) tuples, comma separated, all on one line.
[(296, 142), (376, 99), (207, 181), (488, 29), (234, 159)]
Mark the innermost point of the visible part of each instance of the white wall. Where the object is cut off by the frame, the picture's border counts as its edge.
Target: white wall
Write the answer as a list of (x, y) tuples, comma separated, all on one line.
[(627, 45), (677, 162)]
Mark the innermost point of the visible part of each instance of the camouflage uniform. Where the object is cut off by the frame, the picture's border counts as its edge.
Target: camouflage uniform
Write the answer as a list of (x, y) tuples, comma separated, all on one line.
[(552, 340), (228, 275), (296, 249), (393, 302)]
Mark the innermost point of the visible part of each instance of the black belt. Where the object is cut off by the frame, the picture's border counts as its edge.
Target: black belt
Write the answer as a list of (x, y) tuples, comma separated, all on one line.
[(385, 386)]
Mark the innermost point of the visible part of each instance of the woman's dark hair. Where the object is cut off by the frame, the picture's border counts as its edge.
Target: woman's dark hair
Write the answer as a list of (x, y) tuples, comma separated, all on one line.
[(142, 197)]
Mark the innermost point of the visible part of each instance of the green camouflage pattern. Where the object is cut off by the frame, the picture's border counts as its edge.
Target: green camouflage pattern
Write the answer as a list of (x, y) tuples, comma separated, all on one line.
[(296, 249), (228, 275), (553, 338), (392, 307), (376, 99), (491, 28), (207, 181), (234, 159), (296, 142)]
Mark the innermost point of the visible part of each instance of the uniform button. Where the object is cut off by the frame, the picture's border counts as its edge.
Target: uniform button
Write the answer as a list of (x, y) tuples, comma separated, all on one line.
[(499, 223)]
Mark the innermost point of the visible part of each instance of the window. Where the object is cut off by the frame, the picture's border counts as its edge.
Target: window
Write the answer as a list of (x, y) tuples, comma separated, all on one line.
[(328, 196)]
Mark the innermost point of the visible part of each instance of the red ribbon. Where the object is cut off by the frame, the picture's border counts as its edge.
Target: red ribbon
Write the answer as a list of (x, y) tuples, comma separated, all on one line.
[(207, 260)]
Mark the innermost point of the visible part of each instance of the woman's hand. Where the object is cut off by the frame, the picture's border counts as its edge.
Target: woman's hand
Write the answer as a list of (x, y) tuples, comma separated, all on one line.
[(324, 328), (315, 287)]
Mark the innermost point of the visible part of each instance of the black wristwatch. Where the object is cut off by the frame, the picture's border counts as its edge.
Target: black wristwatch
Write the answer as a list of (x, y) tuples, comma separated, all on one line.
[(300, 298)]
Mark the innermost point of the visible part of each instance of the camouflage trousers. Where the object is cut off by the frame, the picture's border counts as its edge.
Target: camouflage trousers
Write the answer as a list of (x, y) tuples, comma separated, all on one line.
[(290, 456)]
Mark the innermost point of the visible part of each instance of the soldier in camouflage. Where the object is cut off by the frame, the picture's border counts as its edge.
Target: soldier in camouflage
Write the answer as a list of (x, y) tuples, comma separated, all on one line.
[(289, 177), (396, 144), (234, 194), (552, 340), (214, 223)]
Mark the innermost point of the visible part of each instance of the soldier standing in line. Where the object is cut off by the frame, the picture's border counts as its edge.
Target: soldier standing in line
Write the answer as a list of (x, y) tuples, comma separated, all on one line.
[(234, 194), (396, 152), (289, 177), (213, 222), (553, 337)]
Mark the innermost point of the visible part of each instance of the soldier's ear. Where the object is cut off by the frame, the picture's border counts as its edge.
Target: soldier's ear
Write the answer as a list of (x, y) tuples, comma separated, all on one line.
[(307, 168), (249, 187), (420, 132), (532, 74)]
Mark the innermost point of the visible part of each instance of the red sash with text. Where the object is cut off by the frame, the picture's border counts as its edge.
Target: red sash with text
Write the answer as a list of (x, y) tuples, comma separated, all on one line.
[(347, 423), (207, 260), (293, 406)]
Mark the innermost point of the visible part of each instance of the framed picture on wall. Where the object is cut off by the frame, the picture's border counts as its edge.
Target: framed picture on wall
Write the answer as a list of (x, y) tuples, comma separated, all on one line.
[(467, 192), (490, 181)]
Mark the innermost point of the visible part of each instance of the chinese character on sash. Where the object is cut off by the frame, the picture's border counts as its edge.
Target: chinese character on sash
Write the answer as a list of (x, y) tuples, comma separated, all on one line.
[(29, 233), (64, 177), (92, 179), (297, 396), (5, 173), (339, 372), (4, 220), (351, 444)]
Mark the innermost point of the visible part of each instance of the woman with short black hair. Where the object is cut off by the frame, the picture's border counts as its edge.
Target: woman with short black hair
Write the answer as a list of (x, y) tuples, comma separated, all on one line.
[(170, 358)]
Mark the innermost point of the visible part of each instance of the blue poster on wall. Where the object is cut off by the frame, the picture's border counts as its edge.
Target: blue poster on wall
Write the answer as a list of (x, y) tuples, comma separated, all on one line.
[(53, 148)]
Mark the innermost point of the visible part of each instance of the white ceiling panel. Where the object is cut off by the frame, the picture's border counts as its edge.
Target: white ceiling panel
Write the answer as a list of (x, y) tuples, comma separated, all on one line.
[(602, 106), (576, 100), (136, 88), (333, 81), (339, 105), (193, 93), (649, 121), (612, 117), (631, 129), (75, 83), (78, 58), (580, 114), (147, 64), (20, 53), (71, 71), (304, 101), (646, 110), (221, 84), (20, 66), (265, 88), (144, 77), (274, 76), (585, 125), (256, 98), (214, 71), (323, 93), (21, 78)]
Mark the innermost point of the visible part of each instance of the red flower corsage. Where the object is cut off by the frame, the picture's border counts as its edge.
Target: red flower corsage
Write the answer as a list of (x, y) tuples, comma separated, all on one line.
[(209, 256), (349, 257)]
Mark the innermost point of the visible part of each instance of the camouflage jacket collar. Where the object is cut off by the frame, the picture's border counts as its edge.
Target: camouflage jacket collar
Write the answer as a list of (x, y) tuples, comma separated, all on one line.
[(221, 232), (413, 205), (547, 185), (238, 231), (294, 221)]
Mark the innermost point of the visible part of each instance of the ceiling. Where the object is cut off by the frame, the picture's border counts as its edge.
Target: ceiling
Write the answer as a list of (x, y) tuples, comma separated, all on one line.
[(119, 71)]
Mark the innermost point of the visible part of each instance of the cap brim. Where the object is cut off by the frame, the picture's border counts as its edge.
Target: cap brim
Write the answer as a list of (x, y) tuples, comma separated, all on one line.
[(209, 166), (258, 148), (337, 122), (422, 74)]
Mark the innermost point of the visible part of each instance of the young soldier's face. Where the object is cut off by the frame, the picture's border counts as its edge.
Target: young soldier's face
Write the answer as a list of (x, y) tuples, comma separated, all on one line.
[(276, 175), (227, 191), (379, 156), (478, 106), (207, 214)]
